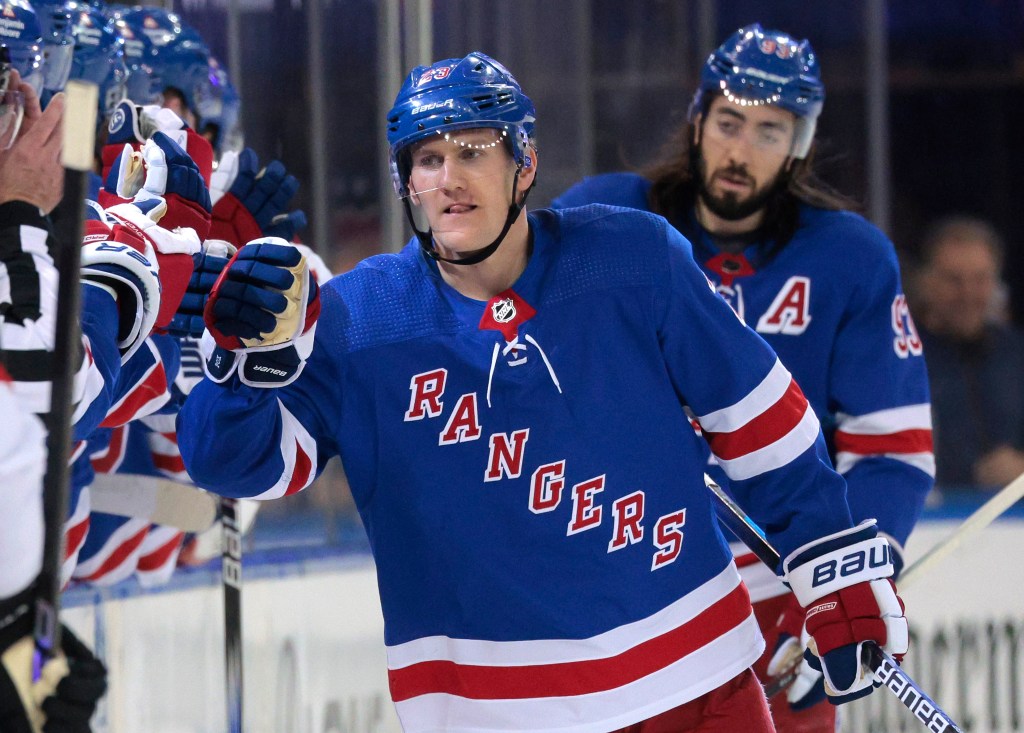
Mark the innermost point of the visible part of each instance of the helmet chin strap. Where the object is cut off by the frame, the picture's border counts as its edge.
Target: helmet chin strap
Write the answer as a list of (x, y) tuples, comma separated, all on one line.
[(426, 239)]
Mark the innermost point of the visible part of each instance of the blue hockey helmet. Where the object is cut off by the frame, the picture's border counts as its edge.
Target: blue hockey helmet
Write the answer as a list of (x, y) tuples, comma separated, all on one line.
[(98, 56), (755, 67), (180, 57), (21, 35), (145, 85), (58, 43), (457, 94)]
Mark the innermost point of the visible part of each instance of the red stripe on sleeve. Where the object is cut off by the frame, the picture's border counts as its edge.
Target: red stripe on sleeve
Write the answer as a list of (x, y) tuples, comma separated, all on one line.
[(119, 555), (106, 461), (74, 537), (904, 441), (771, 425), (300, 474), (169, 464), (154, 385), (157, 558)]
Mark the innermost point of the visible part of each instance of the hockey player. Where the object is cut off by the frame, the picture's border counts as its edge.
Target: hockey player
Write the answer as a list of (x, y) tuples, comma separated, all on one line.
[(507, 395), (820, 284)]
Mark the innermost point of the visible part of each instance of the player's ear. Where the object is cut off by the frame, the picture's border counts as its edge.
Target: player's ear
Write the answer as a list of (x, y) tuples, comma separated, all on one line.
[(413, 196), (529, 170), (698, 126)]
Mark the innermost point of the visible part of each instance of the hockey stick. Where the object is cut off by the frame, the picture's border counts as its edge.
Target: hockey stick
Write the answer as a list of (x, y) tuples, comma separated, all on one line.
[(159, 500), (80, 108), (981, 518), (231, 579), (887, 672)]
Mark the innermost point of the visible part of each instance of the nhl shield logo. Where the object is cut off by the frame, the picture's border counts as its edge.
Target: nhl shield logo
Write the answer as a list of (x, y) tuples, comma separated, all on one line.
[(503, 310)]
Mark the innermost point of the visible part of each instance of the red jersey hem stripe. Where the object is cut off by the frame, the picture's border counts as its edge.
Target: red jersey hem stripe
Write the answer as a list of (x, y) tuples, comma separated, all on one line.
[(573, 678)]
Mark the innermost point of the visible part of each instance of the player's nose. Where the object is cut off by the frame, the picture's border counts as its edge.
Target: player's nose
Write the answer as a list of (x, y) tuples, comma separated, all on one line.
[(451, 176)]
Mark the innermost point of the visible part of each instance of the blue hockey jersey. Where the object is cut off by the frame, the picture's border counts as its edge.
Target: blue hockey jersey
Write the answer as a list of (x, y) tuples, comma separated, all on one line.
[(531, 486), (831, 304)]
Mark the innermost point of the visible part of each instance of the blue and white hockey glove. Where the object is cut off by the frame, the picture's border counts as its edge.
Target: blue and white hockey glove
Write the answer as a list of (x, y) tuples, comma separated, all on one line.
[(207, 267), (261, 315), (844, 582), (250, 201)]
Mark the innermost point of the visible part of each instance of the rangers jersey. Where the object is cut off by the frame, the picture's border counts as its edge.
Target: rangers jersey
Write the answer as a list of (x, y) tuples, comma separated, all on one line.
[(530, 483), (831, 304)]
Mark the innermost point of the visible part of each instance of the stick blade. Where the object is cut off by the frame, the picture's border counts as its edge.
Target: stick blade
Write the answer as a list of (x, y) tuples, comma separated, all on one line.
[(161, 501)]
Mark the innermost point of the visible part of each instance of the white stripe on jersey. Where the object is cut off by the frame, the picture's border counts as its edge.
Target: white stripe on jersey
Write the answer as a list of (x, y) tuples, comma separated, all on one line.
[(595, 711), (298, 451), (921, 461), (883, 422), (777, 454), (559, 651), (762, 397)]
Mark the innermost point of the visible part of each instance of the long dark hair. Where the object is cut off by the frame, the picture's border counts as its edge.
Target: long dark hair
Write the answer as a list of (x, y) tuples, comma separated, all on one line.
[(674, 178)]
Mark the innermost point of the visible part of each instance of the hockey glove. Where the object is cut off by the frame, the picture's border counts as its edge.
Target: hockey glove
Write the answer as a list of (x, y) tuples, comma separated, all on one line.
[(252, 198), (133, 125), (207, 267), (261, 315), (842, 580), (124, 266), (64, 698), (285, 226), (163, 170), (165, 209), (807, 687)]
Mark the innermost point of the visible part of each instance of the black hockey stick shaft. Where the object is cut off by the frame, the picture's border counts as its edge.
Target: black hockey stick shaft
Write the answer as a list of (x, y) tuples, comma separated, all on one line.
[(887, 672), (231, 579), (79, 126)]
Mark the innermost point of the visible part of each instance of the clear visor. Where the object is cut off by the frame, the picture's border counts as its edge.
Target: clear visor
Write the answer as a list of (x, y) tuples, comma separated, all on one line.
[(426, 163), (747, 95), (57, 65), (443, 166), (12, 110)]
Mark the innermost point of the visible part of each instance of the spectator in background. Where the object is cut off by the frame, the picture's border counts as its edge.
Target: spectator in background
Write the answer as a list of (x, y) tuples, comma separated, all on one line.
[(975, 357)]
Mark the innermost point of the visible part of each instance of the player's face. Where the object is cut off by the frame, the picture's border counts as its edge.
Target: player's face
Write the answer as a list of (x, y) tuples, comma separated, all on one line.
[(462, 184), (174, 102), (743, 151), (960, 287)]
